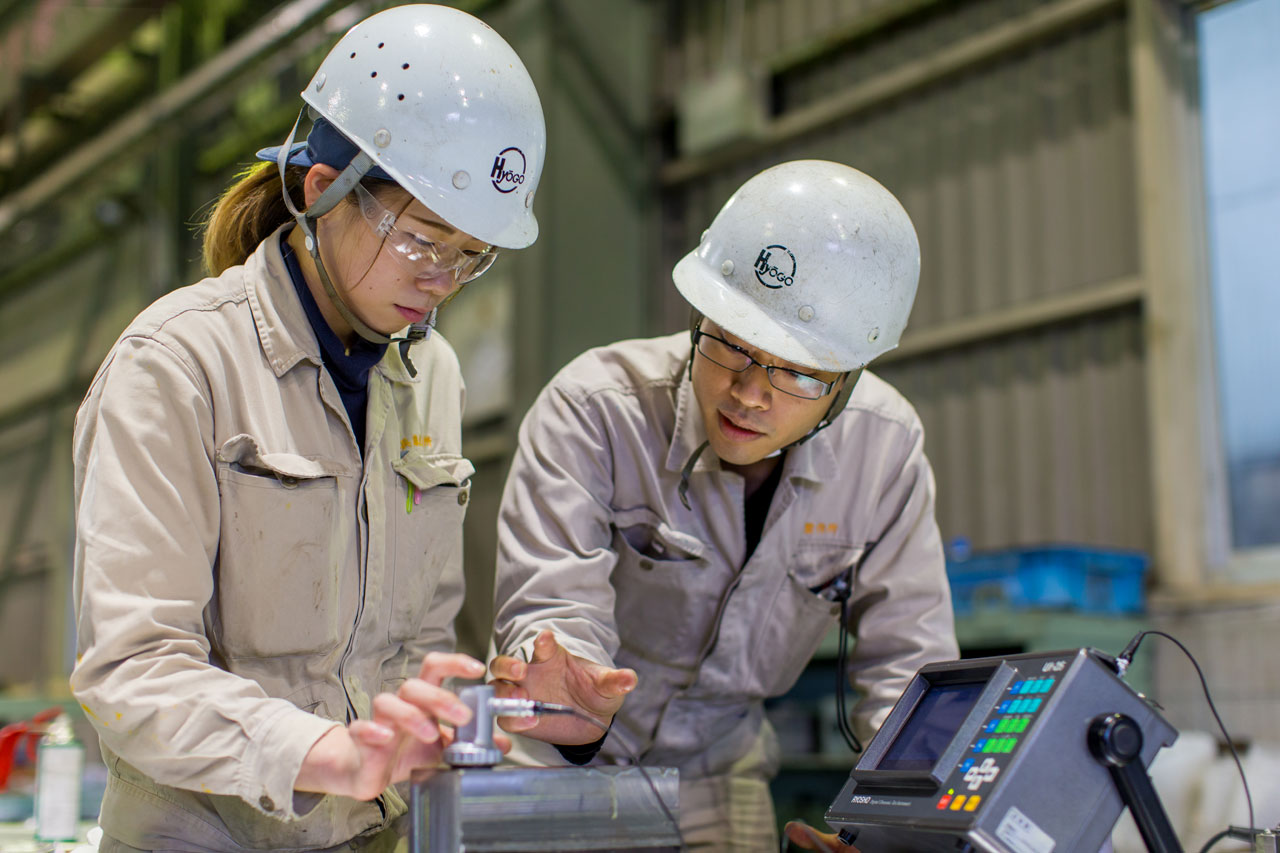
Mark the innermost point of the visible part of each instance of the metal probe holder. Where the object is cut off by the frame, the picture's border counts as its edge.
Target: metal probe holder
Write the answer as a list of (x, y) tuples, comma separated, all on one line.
[(476, 806)]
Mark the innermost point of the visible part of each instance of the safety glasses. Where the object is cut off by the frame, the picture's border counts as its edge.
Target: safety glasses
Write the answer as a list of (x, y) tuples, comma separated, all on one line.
[(425, 258), (730, 357)]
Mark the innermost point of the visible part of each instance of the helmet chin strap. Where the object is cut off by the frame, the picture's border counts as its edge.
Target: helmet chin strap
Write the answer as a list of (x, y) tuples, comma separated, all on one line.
[(306, 219)]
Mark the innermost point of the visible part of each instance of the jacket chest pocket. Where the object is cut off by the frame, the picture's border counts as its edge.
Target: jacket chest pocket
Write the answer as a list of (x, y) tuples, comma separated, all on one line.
[(432, 494), (803, 611), (665, 592), (281, 554)]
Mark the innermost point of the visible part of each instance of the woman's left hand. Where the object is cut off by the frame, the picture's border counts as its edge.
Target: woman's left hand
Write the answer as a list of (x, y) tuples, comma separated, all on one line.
[(408, 731)]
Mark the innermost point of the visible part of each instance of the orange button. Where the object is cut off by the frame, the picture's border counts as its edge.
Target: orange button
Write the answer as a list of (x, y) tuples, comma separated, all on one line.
[(973, 803), (957, 803)]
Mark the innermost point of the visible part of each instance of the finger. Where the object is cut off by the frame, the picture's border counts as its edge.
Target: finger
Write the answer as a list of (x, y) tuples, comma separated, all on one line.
[(435, 701), (612, 683), (544, 646), (371, 733), (405, 716), (502, 742), (507, 690), (508, 668), (437, 666), (815, 840)]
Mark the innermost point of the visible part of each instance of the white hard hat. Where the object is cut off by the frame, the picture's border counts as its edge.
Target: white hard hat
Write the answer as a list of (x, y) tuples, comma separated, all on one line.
[(811, 261), (442, 104)]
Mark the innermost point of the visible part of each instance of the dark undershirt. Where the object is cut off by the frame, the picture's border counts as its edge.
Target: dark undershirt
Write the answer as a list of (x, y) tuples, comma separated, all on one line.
[(756, 507), (349, 370)]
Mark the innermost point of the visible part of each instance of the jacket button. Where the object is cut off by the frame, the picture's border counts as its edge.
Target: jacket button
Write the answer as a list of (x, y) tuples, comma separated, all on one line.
[(268, 805), (647, 565), (289, 482), (462, 498)]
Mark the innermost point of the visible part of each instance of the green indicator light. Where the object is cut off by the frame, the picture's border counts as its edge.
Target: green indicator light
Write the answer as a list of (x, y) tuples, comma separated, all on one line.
[(1002, 726), (1022, 725)]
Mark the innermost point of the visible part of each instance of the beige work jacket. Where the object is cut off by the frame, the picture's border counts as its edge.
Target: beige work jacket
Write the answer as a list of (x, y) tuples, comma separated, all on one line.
[(244, 579), (595, 544)]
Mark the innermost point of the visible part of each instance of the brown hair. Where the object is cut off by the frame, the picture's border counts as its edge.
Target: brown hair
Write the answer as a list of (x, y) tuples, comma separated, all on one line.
[(247, 212), (253, 207)]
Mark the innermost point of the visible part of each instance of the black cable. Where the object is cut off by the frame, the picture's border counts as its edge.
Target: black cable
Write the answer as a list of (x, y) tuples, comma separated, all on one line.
[(1127, 655), (842, 652), (552, 708), (842, 679), (1214, 840)]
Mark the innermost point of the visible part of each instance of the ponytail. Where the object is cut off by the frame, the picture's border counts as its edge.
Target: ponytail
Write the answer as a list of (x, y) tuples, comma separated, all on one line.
[(247, 213)]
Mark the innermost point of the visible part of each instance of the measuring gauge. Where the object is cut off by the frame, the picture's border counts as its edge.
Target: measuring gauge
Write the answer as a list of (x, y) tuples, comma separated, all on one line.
[(1004, 754)]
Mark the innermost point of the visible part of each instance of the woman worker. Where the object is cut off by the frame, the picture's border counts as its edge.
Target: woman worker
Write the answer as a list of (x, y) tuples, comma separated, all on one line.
[(268, 472)]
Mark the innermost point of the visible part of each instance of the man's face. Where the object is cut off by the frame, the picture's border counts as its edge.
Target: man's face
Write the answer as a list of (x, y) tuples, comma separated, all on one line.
[(746, 418)]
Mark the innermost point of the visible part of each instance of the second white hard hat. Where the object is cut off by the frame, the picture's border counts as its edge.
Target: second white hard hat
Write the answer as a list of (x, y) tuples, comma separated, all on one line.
[(811, 261)]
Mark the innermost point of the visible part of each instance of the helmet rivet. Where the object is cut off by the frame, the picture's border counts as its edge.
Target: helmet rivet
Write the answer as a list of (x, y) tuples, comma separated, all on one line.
[(873, 335), (382, 138), (311, 243), (806, 313), (726, 268), (461, 180), (320, 81)]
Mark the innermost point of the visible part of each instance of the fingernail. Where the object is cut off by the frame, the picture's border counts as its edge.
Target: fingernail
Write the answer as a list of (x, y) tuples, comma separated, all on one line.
[(426, 732), (380, 733), (458, 714)]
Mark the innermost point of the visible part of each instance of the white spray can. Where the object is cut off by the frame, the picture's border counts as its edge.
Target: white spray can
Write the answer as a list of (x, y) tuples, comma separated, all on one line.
[(59, 765)]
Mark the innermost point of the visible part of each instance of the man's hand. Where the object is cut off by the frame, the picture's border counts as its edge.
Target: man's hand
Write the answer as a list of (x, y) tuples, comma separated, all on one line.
[(554, 675), (361, 759), (805, 836)]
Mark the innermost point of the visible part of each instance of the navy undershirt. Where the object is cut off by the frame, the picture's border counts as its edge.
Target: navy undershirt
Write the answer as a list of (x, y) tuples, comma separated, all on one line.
[(349, 370)]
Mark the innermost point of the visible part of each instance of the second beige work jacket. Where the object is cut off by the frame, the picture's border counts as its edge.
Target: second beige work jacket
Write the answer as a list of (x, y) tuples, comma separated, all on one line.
[(595, 544)]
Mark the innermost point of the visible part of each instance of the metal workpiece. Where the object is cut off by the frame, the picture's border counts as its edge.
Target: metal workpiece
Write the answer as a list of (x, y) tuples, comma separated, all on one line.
[(544, 808)]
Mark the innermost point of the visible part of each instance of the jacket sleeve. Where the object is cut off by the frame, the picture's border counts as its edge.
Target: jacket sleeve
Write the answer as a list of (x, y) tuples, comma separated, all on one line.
[(147, 533), (900, 610), (555, 551)]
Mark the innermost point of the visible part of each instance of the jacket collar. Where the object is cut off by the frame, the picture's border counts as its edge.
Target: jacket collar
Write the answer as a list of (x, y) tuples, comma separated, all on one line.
[(283, 328), (814, 460)]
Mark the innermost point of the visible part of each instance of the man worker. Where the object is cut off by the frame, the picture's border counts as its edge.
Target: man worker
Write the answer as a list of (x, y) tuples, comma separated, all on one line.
[(685, 520)]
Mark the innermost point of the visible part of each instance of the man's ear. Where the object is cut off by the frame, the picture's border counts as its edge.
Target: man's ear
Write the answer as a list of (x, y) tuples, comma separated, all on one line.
[(318, 179)]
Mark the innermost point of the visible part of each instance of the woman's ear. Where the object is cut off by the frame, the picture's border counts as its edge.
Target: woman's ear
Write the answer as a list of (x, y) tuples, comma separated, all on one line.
[(318, 179)]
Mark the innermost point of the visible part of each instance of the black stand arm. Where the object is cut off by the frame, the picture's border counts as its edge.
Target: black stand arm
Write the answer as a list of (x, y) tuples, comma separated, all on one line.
[(1116, 742)]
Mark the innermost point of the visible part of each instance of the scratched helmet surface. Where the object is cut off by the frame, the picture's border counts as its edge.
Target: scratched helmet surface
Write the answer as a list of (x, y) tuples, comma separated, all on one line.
[(811, 261)]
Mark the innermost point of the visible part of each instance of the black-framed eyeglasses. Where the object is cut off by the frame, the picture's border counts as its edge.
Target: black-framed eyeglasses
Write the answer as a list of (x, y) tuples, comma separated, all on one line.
[(721, 352)]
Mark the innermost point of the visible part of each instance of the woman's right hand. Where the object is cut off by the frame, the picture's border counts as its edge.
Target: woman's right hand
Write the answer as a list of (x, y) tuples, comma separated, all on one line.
[(361, 759)]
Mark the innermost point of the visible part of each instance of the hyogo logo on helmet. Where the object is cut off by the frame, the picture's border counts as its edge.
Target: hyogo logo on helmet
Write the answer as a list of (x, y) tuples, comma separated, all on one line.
[(508, 170), (769, 274)]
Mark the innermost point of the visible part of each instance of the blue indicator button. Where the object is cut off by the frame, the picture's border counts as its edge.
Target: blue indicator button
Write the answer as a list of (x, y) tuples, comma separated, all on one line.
[(1034, 706), (965, 765), (1005, 706), (1018, 687)]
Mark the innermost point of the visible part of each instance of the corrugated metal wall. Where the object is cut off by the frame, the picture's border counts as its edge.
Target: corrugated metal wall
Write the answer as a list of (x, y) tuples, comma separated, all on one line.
[(1018, 173)]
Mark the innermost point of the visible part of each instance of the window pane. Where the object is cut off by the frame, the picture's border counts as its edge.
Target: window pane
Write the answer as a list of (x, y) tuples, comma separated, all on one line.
[(1240, 82)]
